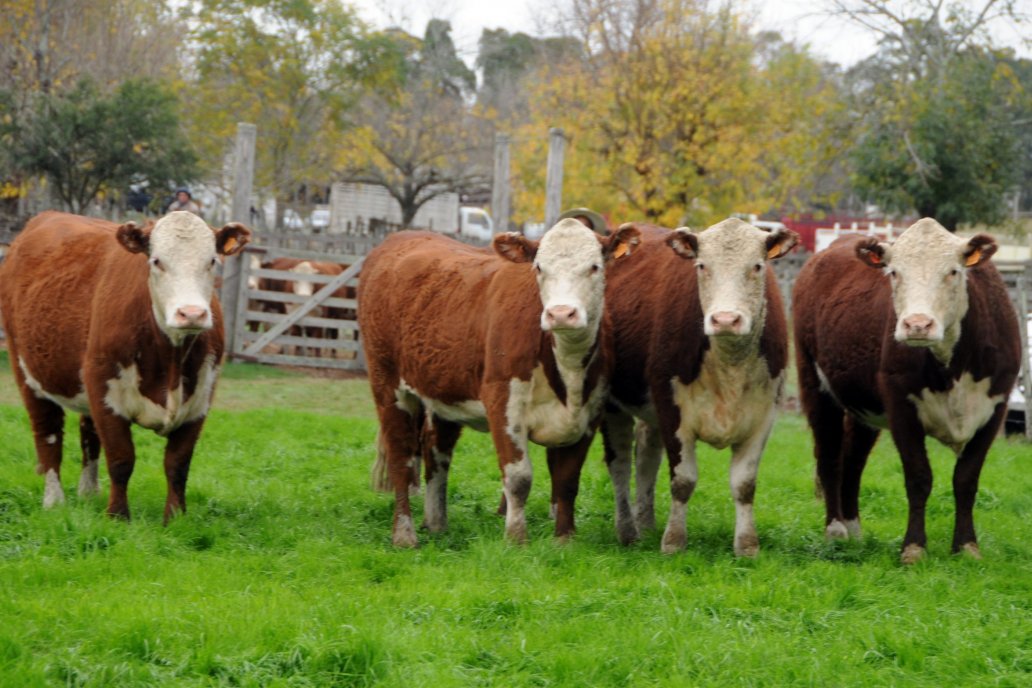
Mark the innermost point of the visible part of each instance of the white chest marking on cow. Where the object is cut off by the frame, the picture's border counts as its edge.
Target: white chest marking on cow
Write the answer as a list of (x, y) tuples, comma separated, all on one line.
[(726, 404), (78, 404), (125, 399), (954, 416), (534, 407)]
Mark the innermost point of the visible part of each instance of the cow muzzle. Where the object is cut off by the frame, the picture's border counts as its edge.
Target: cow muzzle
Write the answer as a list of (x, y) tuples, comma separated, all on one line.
[(918, 329), (562, 317), (191, 318), (726, 323)]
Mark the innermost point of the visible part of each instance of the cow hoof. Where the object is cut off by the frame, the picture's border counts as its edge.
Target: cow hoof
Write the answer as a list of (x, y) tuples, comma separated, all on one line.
[(516, 533), (435, 526), (912, 554), (673, 541), (836, 530), (53, 495), (564, 539), (747, 546), (626, 533), (970, 550), (853, 528), (646, 522), (88, 484), (404, 534)]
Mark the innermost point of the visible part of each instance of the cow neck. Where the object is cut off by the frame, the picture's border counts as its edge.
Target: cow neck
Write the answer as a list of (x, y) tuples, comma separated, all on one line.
[(943, 351), (568, 358), (735, 351), (174, 353)]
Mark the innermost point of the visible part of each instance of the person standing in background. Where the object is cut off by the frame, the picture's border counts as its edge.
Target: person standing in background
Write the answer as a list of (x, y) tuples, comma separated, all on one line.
[(184, 201)]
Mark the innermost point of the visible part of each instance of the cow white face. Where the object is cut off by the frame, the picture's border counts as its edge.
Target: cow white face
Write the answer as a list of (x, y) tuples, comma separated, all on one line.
[(569, 263), (730, 265), (182, 255), (927, 267), (304, 288)]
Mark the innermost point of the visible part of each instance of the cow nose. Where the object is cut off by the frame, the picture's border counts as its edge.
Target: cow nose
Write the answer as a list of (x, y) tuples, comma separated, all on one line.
[(918, 326), (561, 316), (726, 322), (191, 316)]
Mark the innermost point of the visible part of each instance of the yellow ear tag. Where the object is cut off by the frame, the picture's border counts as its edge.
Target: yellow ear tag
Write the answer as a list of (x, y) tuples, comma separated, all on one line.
[(621, 250), (774, 251), (874, 258), (229, 246), (973, 258)]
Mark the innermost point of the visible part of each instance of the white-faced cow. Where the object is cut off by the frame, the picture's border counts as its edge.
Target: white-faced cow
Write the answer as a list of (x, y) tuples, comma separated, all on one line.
[(701, 348), (120, 325), (924, 344), (514, 341)]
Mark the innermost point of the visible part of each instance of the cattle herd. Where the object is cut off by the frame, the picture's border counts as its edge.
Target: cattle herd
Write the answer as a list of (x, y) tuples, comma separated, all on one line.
[(660, 339)]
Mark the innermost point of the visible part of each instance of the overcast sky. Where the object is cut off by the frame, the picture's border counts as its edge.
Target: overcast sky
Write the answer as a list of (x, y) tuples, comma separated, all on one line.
[(830, 38)]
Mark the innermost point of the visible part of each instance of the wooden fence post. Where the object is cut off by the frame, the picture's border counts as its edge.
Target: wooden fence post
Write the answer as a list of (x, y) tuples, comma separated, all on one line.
[(243, 179), (500, 186), (554, 176)]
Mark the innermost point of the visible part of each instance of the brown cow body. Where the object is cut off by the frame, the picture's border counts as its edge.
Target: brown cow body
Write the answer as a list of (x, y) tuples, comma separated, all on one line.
[(859, 375), (685, 385), (456, 332), (84, 336)]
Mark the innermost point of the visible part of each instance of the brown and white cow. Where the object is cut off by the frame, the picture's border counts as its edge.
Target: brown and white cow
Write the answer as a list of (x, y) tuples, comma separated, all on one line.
[(514, 341), (119, 324), (925, 344), (701, 349)]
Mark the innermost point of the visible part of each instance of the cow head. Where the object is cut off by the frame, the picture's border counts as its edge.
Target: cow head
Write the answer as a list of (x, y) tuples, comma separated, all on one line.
[(927, 268), (183, 256), (569, 264), (730, 265)]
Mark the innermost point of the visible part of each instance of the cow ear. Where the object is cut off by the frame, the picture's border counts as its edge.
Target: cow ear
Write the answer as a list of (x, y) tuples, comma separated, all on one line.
[(232, 238), (780, 242), (684, 243), (515, 247), (978, 250), (620, 243), (134, 238), (871, 252)]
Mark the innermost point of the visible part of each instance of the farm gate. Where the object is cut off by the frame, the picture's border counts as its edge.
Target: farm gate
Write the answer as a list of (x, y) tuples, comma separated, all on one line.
[(273, 323)]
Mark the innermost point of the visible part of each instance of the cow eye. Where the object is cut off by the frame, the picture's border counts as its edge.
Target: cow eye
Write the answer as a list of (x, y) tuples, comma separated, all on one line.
[(595, 268), (155, 263), (757, 267), (700, 266), (537, 268), (954, 272), (214, 262)]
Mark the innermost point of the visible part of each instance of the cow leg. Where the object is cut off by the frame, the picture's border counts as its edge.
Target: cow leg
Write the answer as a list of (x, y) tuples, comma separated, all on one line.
[(965, 483), (90, 443), (509, 432), (617, 437), (648, 454), (909, 436), (178, 454), (827, 421), (745, 463), (566, 473), (400, 431), (47, 419), (437, 456), (857, 443), (684, 474), (552, 461), (116, 436)]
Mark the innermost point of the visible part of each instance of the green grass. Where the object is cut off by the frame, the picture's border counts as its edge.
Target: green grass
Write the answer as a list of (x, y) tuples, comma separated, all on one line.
[(281, 573)]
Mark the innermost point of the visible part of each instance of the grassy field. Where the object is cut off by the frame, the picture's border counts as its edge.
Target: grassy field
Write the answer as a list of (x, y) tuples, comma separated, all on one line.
[(282, 574)]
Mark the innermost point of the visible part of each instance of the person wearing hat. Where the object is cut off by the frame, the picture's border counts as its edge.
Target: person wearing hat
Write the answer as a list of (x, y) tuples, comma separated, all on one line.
[(589, 218), (184, 201)]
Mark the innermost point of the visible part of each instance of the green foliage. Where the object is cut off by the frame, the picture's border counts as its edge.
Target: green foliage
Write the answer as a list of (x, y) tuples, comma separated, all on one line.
[(281, 573), (87, 141), (945, 147)]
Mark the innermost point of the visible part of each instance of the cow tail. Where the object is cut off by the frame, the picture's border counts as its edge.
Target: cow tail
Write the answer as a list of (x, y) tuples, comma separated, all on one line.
[(381, 479)]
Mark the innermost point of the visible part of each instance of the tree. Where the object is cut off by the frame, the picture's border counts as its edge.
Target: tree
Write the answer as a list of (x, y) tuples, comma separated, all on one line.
[(420, 140), (675, 115), (86, 141), (938, 110), (292, 67)]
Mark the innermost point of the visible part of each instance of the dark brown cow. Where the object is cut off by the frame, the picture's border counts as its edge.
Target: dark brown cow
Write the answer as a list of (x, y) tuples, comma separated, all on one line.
[(516, 344), (701, 348), (119, 324), (927, 344)]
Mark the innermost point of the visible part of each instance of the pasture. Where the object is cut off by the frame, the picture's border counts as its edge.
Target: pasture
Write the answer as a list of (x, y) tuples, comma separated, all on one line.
[(282, 573)]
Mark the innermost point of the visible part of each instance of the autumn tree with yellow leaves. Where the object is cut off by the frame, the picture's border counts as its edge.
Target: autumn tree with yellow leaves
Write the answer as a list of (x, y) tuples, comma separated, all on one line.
[(678, 115)]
